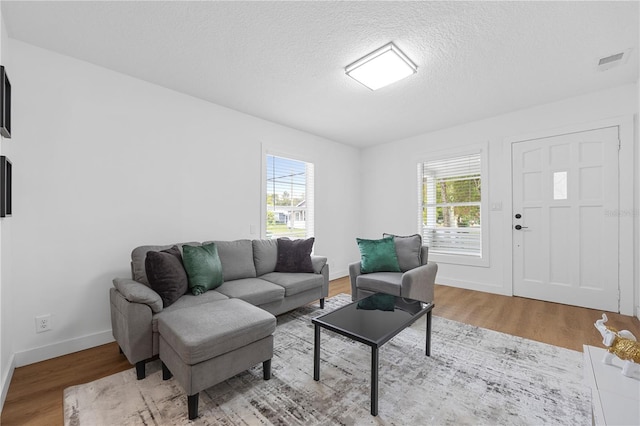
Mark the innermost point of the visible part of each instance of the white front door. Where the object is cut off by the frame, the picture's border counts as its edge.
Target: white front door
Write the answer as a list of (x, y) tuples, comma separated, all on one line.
[(564, 219)]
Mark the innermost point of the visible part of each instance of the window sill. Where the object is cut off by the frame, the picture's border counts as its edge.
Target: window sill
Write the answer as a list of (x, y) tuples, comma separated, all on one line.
[(453, 259)]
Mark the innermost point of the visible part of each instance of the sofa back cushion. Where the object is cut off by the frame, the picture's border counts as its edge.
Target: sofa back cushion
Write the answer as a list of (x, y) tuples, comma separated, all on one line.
[(139, 255), (236, 258), (265, 256)]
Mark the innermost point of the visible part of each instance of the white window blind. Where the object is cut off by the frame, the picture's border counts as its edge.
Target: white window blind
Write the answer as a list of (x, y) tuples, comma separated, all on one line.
[(450, 205), (289, 198)]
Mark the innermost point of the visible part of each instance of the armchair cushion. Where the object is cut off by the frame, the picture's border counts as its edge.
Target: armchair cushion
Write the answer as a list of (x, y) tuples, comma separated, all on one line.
[(381, 282), (408, 250), (378, 255)]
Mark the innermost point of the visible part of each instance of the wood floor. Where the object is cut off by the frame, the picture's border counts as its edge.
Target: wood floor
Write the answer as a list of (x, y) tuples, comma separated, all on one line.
[(35, 393)]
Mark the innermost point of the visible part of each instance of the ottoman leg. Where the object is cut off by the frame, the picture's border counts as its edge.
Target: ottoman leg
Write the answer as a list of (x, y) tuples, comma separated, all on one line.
[(322, 303), (192, 403), (140, 371), (166, 374), (266, 369)]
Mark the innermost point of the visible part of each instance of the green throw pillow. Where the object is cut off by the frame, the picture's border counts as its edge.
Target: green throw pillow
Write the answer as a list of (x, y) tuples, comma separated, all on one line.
[(378, 301), (203, 267), (378, 255)]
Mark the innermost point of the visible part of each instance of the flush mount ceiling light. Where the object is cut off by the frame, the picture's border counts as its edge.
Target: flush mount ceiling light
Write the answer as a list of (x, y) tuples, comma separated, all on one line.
[(381, 67)]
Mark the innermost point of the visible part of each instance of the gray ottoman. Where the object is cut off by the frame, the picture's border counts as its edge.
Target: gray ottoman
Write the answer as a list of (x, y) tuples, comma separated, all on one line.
[(204, 345)]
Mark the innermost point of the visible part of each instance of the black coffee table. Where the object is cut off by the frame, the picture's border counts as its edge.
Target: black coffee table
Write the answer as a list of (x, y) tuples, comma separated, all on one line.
[(373, 321)]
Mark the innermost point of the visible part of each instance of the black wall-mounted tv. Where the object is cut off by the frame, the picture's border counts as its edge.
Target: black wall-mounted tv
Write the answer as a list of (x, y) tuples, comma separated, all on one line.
[(5, 104)]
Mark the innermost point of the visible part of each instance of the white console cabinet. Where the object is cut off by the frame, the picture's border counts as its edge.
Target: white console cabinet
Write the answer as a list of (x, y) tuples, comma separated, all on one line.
[(615, 398)]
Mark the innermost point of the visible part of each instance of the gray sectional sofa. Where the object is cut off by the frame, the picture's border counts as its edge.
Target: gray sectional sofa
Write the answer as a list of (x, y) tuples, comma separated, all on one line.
[(248, 268)]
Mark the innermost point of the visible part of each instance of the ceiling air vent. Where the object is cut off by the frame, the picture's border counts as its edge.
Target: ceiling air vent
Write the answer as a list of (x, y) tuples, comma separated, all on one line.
[(613, 60)]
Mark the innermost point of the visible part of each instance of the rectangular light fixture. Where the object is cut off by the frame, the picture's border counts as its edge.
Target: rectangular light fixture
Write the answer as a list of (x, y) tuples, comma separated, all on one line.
[(381, 67)]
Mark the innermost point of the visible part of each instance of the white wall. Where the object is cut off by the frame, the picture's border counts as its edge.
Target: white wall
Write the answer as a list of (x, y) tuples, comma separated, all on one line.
[(103, 163), (6, 344), (636, 210), (389, 176)]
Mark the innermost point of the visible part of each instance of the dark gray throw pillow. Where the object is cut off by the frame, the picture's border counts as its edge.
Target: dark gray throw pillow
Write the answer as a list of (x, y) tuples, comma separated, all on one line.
[(166, 274), (294, 255)]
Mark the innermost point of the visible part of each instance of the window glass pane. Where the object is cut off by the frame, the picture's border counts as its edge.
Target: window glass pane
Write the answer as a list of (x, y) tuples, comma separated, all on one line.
[(560, 186), (458, 190), (287, 204), (458, 216)]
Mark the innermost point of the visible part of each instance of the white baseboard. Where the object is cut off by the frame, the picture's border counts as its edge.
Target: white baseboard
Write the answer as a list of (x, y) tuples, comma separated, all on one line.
[(62, 348), (471, 285), (6, 381), (338, 274)]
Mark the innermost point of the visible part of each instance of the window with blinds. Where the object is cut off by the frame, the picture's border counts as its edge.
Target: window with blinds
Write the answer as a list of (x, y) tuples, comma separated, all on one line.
[(450, 205), (289, 198)]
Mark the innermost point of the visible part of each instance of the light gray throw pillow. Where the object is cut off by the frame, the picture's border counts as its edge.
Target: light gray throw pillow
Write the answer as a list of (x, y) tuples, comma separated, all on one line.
[(408, 250)]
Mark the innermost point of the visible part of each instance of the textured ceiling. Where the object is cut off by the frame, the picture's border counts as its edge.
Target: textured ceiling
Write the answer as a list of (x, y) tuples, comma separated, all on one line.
[(284, 61)]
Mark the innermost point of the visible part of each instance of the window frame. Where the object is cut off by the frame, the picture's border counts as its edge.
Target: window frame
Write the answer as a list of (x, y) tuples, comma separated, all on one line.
[(460, 259), (309, 191)]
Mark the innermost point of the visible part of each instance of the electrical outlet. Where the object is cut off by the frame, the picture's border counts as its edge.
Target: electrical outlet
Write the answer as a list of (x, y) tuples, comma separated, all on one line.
[(43, 323)]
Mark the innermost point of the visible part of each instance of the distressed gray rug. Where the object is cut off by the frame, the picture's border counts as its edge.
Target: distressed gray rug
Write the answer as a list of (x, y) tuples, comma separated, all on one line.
[(474, 376)]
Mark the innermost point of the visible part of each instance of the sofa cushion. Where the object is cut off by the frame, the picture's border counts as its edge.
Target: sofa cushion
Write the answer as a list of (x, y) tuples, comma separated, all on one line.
[(294, 255), (265, 256), (237, 259), (203, 268), (408, 250), (139, 254), (252, 290), (166, 274), (206, 331), (383, 282), (294, 283), (188, 301), (378, 255)]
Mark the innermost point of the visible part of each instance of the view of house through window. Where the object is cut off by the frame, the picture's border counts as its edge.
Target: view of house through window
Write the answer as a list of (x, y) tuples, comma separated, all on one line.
[(450, 213), (289, 198)]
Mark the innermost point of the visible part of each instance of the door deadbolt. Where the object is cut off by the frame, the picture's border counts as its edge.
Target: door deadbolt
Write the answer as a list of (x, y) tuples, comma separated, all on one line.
[(518, 216)]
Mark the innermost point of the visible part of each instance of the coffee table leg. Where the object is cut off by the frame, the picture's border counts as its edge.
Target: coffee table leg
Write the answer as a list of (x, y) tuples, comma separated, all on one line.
[(428, 339), (374, 381), (316, 353)]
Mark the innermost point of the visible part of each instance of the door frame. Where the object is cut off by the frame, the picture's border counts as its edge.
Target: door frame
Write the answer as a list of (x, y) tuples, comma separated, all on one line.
[(626, 258)]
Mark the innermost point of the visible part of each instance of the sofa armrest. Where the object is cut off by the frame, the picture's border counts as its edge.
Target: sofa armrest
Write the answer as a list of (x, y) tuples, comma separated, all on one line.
[(131, 325), (354, 271), (137, 292), (318, 263), (418, 283)]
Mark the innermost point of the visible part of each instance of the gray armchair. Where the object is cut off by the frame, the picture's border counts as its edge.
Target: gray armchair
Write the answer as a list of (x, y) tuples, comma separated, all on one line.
[(416, 283)]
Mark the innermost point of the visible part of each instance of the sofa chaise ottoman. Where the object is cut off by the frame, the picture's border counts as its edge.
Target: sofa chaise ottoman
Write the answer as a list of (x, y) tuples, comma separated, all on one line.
[(209, 343)]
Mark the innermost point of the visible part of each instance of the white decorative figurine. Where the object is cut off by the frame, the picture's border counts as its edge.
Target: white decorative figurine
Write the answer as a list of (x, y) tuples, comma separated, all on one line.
[(622, 344)]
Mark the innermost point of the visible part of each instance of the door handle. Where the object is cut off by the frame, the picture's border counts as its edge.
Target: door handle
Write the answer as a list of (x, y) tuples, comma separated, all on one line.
[(519, 227)]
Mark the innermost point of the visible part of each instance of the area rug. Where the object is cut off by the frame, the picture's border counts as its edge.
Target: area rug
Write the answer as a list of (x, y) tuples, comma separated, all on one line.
[(474, 376)]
